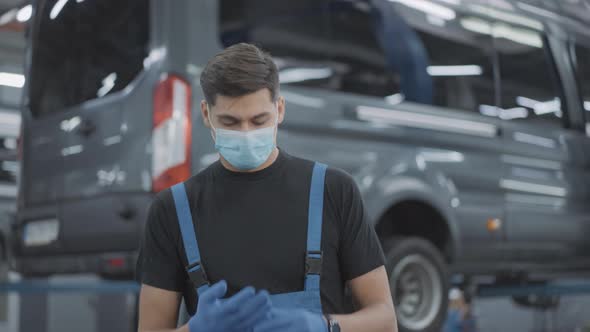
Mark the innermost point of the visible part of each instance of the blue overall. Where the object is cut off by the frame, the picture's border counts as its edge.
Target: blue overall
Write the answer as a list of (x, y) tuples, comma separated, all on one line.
[(309, 298)]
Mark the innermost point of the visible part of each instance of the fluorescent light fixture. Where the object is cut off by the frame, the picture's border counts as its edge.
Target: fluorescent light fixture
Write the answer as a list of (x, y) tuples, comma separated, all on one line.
[(466, 70), (70, 150), (303, 74), (513, 113), (502, 4), (477, 25), (395, 99), (70, 124), (531, 162), (521, 36), (425, 121), (25, 13), (540, 107), (155, 55), (533, 188), (526, 102), (10, 119), (12, 80), (429, 8), (8, 17), (504, 114), (436, 21), (452, 2), (303, 100), (535, 140), (107, 84), (508, 17), (59, 5), (442, 156), (587, 105)]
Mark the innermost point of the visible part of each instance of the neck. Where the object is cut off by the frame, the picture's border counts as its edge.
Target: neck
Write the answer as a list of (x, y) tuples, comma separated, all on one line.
[(271, 159)]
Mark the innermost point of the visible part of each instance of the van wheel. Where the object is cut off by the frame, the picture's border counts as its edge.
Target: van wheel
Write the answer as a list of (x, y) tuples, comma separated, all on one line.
[(418, 278)]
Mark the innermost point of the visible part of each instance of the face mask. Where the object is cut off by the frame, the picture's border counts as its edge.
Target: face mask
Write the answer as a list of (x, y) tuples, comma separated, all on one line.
[(245, 150)]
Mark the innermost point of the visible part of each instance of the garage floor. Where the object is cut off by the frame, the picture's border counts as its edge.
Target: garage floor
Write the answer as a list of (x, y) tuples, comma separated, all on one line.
[(98, 312)]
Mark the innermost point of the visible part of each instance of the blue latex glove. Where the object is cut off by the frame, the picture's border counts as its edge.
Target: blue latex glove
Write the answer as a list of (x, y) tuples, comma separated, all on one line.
[(237, 313), (292, 320)]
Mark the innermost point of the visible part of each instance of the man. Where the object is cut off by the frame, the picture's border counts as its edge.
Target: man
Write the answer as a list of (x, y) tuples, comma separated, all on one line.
[(260, 219)]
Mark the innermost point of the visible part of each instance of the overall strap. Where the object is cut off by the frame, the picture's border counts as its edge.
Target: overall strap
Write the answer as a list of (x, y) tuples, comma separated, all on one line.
[(195, 271), (313, 262)]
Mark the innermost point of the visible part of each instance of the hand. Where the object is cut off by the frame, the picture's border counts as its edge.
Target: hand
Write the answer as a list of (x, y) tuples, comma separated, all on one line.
[(292, 320), (238, 313)]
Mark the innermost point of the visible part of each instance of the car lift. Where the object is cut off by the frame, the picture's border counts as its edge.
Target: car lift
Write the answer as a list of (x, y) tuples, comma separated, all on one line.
[(549, 289), (541, 298)]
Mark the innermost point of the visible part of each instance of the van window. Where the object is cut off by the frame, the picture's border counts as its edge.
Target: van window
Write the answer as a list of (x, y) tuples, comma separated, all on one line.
[(530, 88), (416, 57), (360, 63), (349, 46), (582, 66), (294, 32), (83, 50)]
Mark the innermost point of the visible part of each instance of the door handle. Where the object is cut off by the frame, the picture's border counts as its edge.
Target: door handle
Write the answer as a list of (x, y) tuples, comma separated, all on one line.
[(86, 128)]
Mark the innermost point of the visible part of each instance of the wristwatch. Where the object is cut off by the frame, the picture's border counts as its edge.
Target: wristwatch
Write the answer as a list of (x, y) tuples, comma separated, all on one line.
[(333, 325)]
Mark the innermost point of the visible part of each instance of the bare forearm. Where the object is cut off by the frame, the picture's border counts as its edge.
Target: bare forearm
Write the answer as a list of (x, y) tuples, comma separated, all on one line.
[(374, 318)]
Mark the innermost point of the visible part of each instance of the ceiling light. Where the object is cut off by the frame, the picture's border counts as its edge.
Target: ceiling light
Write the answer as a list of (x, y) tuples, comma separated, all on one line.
[(12, 80)]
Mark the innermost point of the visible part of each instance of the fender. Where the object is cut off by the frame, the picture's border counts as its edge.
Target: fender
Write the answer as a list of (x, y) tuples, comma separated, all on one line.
[(394, 189)]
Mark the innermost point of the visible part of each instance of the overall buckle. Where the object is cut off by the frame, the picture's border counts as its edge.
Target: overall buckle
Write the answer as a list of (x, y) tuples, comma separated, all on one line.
[(197, 274), (313, 264)]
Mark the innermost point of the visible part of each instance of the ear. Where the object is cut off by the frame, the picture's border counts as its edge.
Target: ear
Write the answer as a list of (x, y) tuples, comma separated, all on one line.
[(281, 108), (205, 114)]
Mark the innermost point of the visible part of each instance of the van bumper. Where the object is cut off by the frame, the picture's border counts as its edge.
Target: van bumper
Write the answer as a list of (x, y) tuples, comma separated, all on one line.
[(110, 265), (98, 235)]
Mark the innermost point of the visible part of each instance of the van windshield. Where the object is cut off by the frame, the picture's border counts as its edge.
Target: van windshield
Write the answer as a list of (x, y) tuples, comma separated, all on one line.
[(83, 50)]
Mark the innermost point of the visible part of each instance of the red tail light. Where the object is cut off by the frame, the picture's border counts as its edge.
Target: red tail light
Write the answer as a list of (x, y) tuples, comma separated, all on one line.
[(171, 136)]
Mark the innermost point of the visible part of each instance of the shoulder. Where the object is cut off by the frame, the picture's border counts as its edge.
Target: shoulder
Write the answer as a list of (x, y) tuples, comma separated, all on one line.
[(163, 202), (191, 185), (340, 186), (334, 176), (338, 177)]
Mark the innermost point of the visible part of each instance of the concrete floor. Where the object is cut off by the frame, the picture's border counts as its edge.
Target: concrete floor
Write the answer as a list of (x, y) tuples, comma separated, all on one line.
[(91, 312), (501, 314)]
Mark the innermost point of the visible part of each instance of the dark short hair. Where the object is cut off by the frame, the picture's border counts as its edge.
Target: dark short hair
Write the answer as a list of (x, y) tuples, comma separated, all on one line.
[(239, 70)]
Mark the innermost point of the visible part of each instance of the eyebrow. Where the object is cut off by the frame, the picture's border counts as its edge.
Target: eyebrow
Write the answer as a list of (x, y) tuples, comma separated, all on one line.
[(228, 117), (261, 115)]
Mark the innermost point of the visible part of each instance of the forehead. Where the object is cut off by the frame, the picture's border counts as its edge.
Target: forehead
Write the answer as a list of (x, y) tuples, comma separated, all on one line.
[(247, 105)]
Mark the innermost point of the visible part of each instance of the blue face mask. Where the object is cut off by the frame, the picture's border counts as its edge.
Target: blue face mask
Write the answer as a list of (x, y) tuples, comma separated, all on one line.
[(245, 150)]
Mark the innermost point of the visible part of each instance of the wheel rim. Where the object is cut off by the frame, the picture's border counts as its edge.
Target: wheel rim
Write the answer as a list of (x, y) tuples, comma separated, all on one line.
[(416, 288)]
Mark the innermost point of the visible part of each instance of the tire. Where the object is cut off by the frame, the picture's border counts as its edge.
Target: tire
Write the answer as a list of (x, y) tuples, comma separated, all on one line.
[(419, 282)]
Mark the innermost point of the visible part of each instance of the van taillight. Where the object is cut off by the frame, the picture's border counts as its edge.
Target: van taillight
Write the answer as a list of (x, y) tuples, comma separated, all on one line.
[(171, 136)]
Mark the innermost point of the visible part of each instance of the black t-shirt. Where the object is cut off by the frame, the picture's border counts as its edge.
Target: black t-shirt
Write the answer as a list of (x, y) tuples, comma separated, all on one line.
[(252, 231)]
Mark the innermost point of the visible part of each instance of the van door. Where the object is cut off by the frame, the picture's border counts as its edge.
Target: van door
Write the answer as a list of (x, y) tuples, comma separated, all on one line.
[(580, 145), (82, 145), (537, 176)]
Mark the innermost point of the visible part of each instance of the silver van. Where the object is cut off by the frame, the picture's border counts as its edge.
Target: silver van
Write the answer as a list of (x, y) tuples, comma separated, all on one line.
[(464, 122)]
